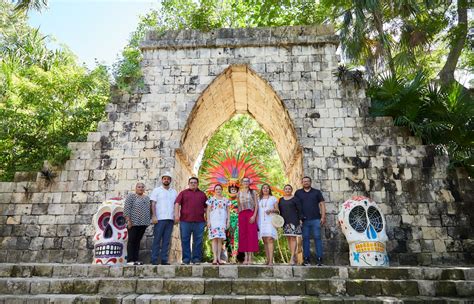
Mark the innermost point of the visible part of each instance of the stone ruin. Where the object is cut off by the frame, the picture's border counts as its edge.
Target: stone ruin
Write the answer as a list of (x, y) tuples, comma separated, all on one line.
[(286, 79)]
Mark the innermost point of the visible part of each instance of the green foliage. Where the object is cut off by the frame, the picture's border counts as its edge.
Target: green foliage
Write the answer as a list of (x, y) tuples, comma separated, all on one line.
[(46, 99), (206, 15), (243, 133), (440, 116), (127, 71)]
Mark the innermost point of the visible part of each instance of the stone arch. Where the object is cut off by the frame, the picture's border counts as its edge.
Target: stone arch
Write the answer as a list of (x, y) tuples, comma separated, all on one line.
[(239, 90)]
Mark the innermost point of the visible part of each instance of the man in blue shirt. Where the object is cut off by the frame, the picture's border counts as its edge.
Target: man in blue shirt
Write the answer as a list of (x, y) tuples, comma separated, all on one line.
[(313, 216)]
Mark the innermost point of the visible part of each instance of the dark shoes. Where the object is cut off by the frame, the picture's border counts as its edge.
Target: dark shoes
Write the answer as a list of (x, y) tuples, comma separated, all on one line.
[(306, 262), (319, 261)]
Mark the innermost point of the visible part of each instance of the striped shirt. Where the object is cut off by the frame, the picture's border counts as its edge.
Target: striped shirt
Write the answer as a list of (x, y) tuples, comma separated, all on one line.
[(247, 200), (137, 208)]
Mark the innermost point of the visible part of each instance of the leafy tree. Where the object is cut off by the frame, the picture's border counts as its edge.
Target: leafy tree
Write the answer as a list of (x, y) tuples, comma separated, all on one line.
[(46, 99)]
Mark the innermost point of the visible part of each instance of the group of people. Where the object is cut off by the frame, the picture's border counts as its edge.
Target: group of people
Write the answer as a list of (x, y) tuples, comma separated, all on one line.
[(241, 220)]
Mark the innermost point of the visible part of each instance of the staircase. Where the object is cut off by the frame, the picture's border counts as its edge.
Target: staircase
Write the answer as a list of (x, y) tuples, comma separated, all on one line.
[(83, 283)]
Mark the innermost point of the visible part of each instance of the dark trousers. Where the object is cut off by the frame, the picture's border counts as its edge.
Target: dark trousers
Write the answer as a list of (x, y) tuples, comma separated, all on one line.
[(161, 241), (135, 235)]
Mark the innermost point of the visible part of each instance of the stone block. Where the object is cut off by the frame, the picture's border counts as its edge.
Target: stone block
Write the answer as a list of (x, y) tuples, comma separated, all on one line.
[(229, 299), (363, 287), (109, 286), (184, 271), (255, 272), (61, 286), (230, 271), (254, 287), (86, 286), (149, 286), (315, 272), (378, 273), (445, 289), (39, 287), (40, 270), (284, 272), (400, 288), (218, 286), (97, 271), (210, 272), (290, 287), (465, 288), (183, 286)]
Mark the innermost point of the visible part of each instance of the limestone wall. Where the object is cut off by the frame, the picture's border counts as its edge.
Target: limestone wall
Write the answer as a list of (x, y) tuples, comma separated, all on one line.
[(276, 75)]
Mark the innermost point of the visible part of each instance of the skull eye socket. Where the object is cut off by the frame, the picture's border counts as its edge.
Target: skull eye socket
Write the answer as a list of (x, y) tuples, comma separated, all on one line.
[(104, 220), (375, 218), (358, 219), (119, 220)]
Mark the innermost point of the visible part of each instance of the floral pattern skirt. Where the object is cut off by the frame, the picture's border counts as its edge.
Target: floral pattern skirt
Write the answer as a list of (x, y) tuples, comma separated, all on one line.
[(217, 232), (291, 230)]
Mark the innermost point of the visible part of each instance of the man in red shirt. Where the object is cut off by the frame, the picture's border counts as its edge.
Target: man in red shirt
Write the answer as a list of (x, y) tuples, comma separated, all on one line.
[(189, 210)]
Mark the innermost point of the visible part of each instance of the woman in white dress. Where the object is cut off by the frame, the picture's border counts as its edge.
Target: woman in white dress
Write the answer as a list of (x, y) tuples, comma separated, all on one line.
[(217, 221), (267, 205)]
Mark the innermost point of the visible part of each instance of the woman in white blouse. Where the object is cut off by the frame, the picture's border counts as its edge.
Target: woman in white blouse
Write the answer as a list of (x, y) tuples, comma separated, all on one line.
[(267, 205)]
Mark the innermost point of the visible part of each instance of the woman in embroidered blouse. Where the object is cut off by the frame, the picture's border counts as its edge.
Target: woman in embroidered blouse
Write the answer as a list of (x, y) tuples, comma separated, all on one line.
[(248, 232), (217, 221), (267, 206)]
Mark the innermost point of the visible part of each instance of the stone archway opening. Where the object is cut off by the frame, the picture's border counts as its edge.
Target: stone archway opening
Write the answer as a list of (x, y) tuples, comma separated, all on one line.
[(238, 90), (244, 134)]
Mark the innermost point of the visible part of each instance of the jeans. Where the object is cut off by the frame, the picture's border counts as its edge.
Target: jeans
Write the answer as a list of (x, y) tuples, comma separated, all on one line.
[(196, 229), (161, 241), (312, 227), (135, 235)]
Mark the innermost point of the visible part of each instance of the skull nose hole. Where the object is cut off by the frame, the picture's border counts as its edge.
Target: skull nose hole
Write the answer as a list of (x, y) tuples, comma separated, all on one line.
[(108, 232)]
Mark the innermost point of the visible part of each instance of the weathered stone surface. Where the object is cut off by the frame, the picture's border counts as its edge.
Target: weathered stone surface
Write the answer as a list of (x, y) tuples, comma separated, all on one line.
[(183, 286), (149, 286), (363, 287), (218, 286), (254, 287), (255, 272), (286, 79), (317, 287), (290, 287), (108, 286)]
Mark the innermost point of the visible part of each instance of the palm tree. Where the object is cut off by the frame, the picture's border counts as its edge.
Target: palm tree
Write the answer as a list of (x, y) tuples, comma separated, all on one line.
[(27, 5)]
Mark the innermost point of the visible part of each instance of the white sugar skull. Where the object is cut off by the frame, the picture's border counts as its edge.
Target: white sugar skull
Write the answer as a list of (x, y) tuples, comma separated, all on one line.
[(364, 226), (110, 238)]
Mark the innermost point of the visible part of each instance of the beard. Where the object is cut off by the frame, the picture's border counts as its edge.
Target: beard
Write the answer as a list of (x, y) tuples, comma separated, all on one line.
[(166, 183)]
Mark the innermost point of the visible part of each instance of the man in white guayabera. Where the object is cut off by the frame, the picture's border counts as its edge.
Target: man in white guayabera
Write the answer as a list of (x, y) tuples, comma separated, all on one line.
[(162, 211)]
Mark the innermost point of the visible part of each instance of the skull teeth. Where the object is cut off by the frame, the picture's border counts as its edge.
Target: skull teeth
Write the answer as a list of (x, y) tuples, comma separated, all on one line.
[(109, 250)]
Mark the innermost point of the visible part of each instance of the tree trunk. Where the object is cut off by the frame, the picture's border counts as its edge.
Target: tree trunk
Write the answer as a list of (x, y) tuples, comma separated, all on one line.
[(446, 75), (386, 46)]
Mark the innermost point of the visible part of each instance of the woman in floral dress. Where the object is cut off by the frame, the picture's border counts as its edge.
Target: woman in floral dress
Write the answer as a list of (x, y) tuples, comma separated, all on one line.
[(217, 221)]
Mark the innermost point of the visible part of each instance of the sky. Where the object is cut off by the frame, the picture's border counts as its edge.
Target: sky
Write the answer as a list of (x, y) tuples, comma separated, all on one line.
[(93, 30)]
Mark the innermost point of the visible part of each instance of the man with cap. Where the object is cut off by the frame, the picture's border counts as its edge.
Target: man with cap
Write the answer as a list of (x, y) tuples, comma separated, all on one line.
[(162, 211)]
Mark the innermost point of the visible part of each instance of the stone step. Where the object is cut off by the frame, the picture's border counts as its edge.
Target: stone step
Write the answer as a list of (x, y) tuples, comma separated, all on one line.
[(216, 299), (226, 286), (236, 271)]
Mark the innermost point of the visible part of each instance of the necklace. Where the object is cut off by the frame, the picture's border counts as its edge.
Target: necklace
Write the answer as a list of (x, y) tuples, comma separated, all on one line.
[(264, 205)]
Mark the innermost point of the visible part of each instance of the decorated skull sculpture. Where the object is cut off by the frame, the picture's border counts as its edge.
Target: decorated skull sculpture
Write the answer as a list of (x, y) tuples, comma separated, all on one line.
[(110, 238), (364, 226)]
